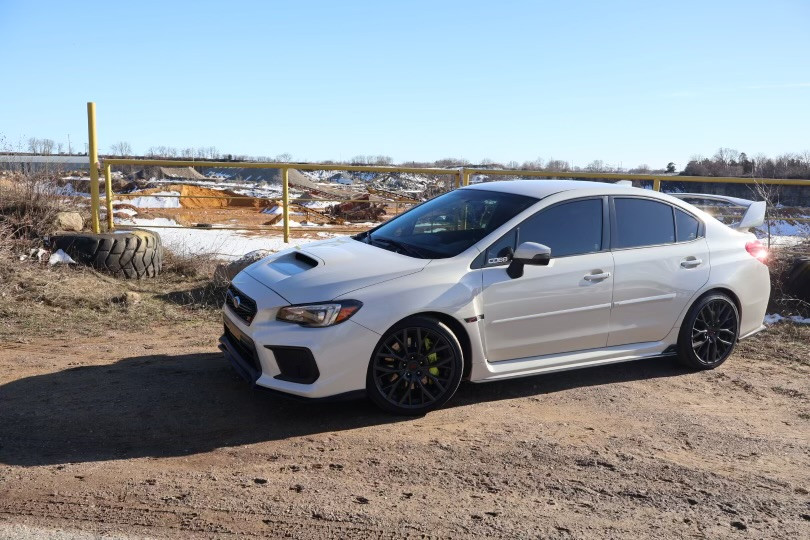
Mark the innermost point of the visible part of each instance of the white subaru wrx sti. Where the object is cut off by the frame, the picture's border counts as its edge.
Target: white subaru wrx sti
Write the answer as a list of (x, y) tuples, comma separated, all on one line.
[(498, 280)]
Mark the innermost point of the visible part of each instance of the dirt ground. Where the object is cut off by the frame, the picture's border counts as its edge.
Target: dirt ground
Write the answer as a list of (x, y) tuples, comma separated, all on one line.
[(151, 435)]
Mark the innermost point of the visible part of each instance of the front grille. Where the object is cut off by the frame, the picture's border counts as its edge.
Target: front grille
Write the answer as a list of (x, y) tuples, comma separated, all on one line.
[(244, 346), (296, 364), (241, 304)]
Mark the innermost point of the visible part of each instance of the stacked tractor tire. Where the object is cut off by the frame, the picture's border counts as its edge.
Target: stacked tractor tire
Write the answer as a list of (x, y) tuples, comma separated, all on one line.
[(132, 254), (797, 279)]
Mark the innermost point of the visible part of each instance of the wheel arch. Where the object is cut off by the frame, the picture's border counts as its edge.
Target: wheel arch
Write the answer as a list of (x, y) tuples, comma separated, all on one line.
[(728, 292), (455, 326)]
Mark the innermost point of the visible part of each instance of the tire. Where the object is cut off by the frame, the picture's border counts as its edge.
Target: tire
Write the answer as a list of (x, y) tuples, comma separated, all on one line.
[(797, 279), (709, 332), (135, 254), (425, 354)]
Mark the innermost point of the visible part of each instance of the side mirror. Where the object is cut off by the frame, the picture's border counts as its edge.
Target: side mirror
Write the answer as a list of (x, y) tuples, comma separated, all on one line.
[(528, 253)]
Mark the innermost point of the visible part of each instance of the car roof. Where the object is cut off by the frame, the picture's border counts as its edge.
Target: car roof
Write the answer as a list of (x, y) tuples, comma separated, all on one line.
[(541, 188)]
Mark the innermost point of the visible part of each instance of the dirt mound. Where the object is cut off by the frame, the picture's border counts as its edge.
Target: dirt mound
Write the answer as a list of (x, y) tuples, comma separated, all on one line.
[(201, 197)]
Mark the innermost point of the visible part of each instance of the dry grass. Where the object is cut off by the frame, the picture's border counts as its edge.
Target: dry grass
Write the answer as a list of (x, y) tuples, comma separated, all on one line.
[(37, 299), (781, 300), (28, 207)]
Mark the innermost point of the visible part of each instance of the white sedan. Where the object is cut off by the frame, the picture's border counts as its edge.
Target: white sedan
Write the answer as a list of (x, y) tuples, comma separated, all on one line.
[(498, 280)]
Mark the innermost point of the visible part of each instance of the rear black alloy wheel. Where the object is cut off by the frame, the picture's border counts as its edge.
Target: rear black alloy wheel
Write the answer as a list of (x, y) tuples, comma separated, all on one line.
[(416, 367), (709, 332)]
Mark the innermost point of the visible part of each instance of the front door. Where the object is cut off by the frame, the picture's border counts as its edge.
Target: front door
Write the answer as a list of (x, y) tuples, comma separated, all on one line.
[(562, 307)]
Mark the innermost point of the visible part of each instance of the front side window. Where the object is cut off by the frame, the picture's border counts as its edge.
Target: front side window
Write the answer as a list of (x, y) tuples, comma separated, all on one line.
[(570, 228), (642, 222), (449, 224)]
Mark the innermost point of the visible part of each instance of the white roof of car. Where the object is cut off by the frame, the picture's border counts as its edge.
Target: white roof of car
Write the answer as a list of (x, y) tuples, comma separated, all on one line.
[(541, 188)]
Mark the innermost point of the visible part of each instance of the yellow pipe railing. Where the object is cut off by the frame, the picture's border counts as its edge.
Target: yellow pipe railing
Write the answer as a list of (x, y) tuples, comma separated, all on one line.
[(92, 154), (462, 176)]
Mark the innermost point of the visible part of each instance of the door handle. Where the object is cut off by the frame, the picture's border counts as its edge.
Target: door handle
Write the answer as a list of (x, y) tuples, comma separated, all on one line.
[(691, 262), (597, 277)]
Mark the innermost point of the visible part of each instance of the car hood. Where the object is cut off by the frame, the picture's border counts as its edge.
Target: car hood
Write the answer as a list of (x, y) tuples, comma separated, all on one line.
[(324, 270)]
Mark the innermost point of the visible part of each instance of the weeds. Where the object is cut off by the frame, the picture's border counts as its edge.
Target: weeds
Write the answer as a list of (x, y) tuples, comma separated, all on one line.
[(29, 205)]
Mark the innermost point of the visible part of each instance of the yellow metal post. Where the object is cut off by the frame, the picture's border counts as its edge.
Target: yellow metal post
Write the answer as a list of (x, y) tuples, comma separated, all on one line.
[(465, 180), (458, 179), (657, 184), (285, 195), (108, 195), (92, 155)]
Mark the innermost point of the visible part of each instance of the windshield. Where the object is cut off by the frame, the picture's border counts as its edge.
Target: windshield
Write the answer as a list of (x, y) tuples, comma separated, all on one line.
[(449, 224)]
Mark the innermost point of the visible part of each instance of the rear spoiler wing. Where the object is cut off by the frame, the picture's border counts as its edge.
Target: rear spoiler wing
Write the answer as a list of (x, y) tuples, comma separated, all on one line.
[(754, 215)]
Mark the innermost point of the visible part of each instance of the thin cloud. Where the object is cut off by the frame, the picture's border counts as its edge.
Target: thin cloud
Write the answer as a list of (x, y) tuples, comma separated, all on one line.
[(778, 86), (680, 94)]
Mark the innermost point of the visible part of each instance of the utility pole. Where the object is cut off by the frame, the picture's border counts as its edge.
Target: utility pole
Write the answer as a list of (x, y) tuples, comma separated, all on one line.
[(70, 151)]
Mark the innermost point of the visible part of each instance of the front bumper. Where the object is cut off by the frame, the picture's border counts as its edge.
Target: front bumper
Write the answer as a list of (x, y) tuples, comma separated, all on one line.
[(333, 360)]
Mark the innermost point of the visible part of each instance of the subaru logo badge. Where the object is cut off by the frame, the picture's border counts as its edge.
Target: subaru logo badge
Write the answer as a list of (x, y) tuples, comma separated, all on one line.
[(236, 302)]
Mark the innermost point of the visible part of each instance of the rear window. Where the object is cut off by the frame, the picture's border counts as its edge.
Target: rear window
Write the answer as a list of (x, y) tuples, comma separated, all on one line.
[(642, 222), (686, 226)]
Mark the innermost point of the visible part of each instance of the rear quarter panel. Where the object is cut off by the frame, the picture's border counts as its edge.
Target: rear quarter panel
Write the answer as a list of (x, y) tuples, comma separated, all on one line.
[(733, 268)]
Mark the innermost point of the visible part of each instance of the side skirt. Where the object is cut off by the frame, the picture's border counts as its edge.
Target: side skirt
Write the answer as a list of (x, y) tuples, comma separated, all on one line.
[(580, 359)]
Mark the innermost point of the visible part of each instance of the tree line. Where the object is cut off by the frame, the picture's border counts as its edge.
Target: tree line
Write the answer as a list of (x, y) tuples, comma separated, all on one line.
[(730, 162)]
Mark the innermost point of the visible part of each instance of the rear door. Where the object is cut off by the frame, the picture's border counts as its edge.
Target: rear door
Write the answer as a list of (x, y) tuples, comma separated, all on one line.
[(661, 259), (562, 307)]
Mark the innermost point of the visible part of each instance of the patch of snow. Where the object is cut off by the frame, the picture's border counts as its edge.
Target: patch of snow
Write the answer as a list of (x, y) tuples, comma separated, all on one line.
[(60, 257), (153, 201), (773, 318), (224, 244), (126, 211), (784, 241)]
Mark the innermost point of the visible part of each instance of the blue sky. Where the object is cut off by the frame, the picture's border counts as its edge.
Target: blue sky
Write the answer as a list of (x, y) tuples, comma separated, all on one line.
[(624, 82)]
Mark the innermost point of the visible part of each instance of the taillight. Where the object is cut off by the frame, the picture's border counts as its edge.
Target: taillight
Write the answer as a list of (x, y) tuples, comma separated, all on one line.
[(757, 251)]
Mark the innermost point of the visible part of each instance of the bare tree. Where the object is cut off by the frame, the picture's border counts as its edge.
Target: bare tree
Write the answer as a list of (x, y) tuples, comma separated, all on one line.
[(33, 145), (596, 165), (558, 165), (46, 146), (383, 160), (122, 149), (286, 157)]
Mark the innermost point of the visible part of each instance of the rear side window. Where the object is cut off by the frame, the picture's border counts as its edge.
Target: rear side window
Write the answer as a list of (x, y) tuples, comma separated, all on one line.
[(642, 222), (568, 229), (686, 226)]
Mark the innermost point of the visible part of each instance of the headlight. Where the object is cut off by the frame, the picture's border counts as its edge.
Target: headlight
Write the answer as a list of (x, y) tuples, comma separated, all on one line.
[(319, 315)]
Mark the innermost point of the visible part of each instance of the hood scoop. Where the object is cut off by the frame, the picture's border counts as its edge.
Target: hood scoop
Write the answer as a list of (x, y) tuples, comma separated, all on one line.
[(325, 270), (305, 259)]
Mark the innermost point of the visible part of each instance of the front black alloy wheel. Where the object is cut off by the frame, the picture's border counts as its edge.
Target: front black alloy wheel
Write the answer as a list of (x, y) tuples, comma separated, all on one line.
[(416, 367), (709, 332)]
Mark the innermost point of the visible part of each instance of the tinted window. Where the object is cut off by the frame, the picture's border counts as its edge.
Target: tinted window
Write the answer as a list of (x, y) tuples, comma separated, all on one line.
[(568, 229), (642, 222), (449, 224), (686, 226)]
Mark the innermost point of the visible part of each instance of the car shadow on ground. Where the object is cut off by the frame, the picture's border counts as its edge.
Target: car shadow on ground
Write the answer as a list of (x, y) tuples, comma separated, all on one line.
[(158, 405)]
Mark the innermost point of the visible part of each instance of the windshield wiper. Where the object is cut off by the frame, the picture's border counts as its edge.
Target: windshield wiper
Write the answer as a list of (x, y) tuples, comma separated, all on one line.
[(411, 250)]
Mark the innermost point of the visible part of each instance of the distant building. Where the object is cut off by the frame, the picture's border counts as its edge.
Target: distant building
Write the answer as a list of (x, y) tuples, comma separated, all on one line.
[(32, 163)]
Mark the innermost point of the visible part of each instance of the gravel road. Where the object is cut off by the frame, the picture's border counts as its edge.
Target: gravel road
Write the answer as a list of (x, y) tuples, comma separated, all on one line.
[(107, 437)]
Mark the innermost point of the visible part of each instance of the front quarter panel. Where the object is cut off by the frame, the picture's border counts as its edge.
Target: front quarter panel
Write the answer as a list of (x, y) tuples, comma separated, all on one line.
[(440, 287)]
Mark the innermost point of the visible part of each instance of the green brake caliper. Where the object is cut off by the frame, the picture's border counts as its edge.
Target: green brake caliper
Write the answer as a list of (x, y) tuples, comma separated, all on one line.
[(432, 358)]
